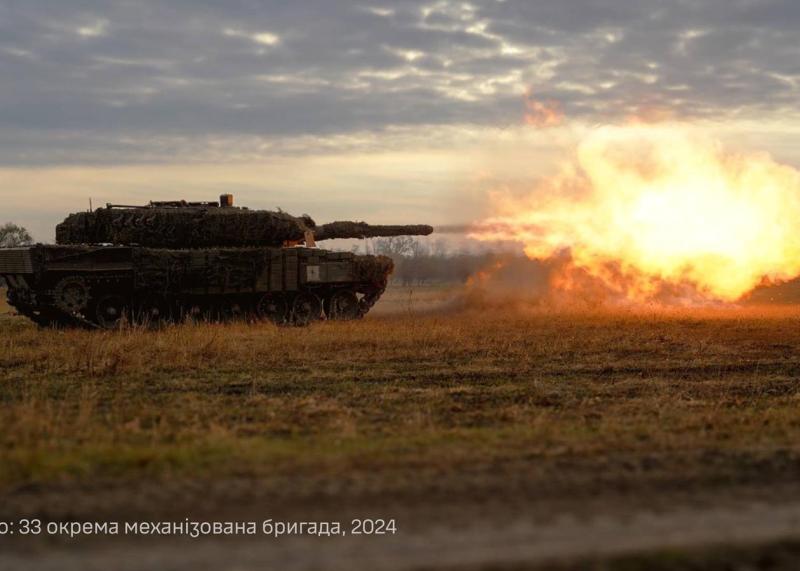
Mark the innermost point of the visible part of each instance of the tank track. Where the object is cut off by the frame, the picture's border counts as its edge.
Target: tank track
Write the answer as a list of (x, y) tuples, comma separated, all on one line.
[(53, 312)]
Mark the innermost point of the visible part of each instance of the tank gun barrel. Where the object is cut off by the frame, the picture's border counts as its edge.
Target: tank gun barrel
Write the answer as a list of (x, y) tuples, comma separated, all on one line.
[(347, 229)]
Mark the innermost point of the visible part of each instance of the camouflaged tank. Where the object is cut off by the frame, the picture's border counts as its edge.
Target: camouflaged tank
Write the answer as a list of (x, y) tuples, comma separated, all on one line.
[(171, 260)]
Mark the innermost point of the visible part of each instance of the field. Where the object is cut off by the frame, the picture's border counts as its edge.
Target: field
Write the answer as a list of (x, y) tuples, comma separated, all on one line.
[(498, 437)]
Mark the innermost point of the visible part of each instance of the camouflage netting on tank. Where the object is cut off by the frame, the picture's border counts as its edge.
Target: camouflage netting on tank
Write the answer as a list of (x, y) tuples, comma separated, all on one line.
[(347, 229), (372, 269), (182, 227), (163, 270)]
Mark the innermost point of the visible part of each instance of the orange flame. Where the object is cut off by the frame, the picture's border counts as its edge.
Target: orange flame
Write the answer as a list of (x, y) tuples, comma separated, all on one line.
[(644, 209)]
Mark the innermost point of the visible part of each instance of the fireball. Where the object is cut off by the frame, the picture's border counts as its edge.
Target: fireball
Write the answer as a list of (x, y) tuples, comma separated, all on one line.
[(644, 209)]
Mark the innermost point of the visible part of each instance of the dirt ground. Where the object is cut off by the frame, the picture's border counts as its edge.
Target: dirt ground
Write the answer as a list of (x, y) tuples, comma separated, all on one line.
[(509, 437)]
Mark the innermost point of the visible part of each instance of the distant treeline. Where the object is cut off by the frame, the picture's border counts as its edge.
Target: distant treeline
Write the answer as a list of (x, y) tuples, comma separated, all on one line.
[(419, 262)]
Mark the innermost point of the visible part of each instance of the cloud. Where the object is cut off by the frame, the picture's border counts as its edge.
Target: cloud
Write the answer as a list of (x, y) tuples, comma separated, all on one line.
[(263, 38), (96, 29), (100, 81)]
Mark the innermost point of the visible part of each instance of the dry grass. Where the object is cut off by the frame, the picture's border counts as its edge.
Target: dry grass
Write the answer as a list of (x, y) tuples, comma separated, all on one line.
[(398, 391)]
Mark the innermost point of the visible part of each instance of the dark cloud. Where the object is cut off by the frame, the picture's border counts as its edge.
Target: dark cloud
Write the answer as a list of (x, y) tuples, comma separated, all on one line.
[(101, 81)]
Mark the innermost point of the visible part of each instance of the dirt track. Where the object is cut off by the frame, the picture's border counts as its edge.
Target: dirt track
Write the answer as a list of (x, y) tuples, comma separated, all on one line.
[(475, 537)]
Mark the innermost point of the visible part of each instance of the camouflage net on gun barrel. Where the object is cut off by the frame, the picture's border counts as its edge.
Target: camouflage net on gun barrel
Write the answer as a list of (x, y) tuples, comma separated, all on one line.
[(346, 229)]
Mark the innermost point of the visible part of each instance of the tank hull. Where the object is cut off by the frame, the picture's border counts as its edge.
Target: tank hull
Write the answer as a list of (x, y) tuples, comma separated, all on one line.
[(105, 286)]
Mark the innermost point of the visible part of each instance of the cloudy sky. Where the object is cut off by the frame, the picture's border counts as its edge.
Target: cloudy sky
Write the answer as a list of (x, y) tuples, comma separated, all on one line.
[(387, 111)]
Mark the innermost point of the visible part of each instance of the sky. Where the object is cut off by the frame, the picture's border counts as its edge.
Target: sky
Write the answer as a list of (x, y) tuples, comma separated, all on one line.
[(406, 111)]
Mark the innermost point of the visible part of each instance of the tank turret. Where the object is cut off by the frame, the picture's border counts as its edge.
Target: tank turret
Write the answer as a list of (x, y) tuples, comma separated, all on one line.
[(181, 224)]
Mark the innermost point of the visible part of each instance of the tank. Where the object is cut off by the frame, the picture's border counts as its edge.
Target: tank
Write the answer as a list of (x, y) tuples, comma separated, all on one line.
[(169, 261)]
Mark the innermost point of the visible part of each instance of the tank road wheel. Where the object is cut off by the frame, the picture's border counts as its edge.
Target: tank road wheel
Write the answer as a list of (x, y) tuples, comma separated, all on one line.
[(306, 308), (273, 306), (233, 310), (109, 310), (71, 294), (190, 313), (343, 305), (151, 310)]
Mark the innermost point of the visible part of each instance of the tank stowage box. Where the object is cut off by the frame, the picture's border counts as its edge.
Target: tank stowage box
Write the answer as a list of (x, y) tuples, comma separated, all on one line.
[(169, 261)]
